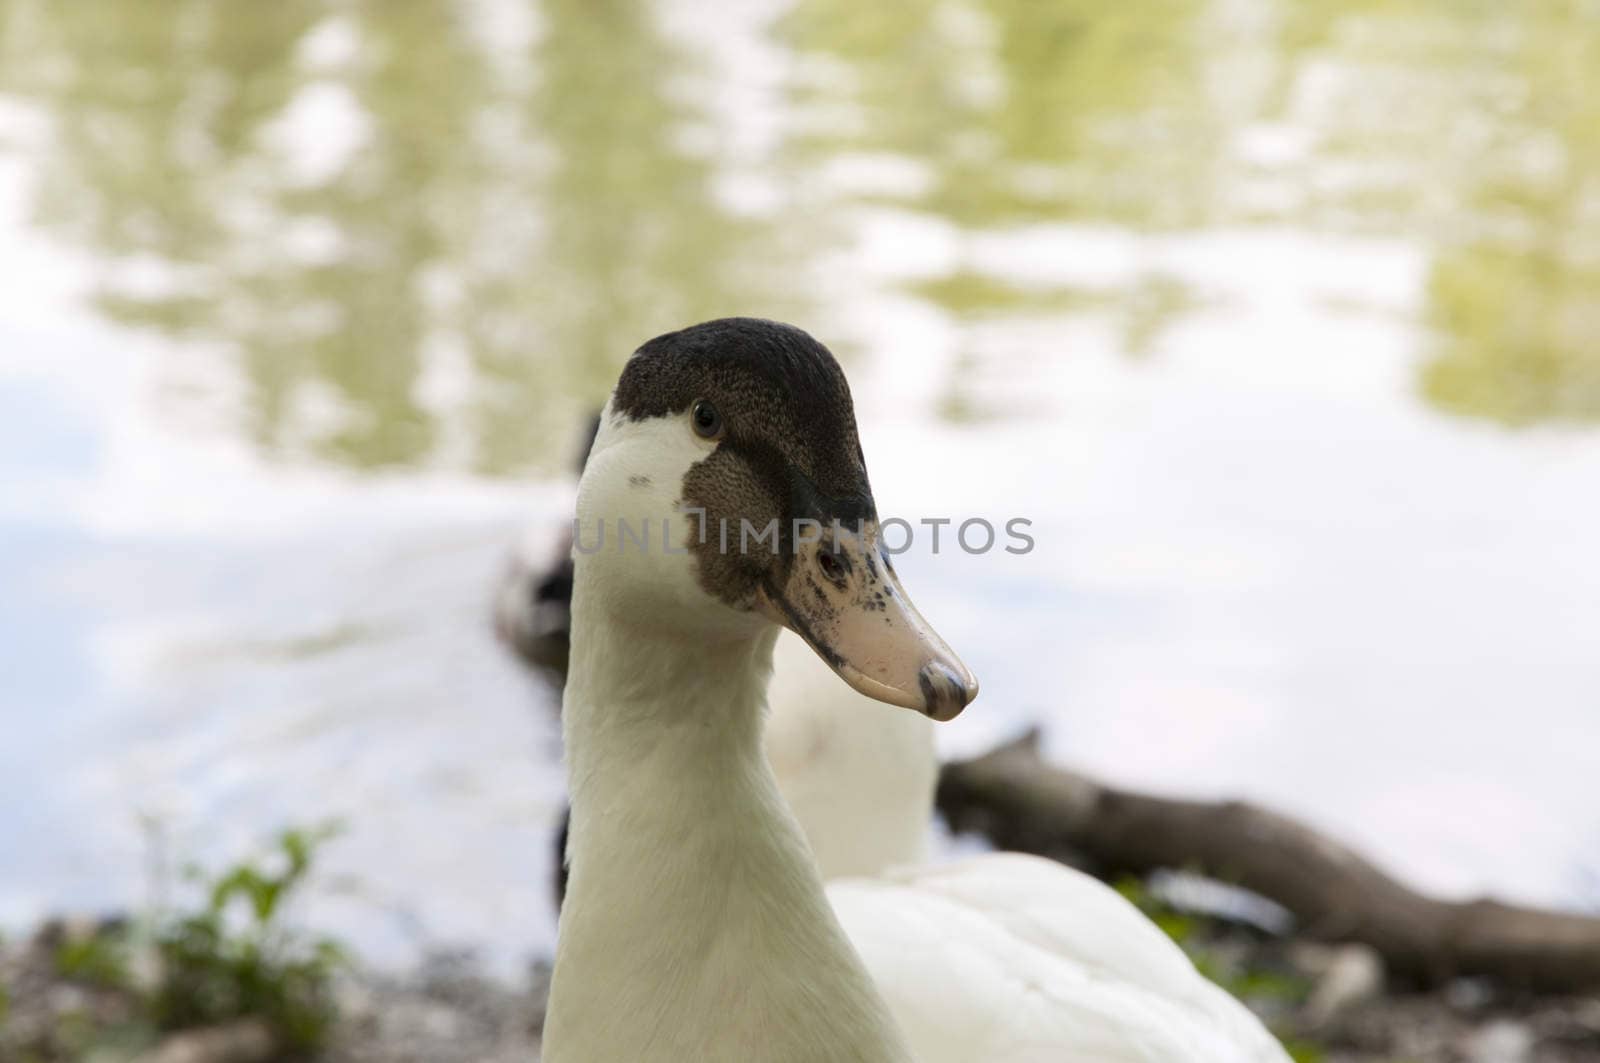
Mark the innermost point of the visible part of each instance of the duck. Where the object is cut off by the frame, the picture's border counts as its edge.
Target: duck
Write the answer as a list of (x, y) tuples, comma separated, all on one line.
[(697, 923)]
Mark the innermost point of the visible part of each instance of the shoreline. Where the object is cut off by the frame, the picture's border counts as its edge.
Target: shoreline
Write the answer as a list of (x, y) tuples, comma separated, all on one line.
[(1330, 1003)]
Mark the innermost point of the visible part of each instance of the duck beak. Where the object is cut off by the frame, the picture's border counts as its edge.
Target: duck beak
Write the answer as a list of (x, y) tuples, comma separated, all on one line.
[(841, 596)]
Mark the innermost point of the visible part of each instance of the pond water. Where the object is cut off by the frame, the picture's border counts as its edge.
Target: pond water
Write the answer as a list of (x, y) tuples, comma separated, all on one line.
[(1279, 319)]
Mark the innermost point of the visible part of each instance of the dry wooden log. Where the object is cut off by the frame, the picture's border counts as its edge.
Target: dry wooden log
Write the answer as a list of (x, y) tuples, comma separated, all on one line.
[(1335, 894)]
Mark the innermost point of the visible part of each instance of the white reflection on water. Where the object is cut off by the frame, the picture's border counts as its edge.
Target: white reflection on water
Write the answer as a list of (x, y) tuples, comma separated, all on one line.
[(1263, 568)]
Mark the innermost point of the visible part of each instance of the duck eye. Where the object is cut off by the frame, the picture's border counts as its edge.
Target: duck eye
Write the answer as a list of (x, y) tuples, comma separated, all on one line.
[(706, 420)]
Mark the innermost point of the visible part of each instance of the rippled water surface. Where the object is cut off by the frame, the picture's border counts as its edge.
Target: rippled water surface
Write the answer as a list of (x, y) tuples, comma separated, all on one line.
[(1278, 318)]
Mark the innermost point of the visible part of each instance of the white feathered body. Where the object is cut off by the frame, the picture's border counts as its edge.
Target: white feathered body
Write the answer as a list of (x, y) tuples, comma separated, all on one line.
[(1014, 958)]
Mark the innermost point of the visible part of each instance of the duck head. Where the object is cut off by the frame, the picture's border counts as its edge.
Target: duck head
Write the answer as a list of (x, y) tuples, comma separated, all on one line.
[(726, 491)]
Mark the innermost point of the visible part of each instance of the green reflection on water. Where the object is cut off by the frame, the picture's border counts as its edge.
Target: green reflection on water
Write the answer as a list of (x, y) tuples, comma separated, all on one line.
[(1517, 302), (634, 243), (518, 227), (513, 219), (970, 293), (1021, 110), (1471, 127), (1477, 126)]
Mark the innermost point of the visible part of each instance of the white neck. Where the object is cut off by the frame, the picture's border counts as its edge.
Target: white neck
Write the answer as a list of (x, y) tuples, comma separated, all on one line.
[(695, 924)]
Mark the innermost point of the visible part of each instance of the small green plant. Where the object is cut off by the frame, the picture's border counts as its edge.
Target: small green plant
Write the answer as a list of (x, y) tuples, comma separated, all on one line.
[(99, 960), (230, 956), (234, 958), (1304, 1051)]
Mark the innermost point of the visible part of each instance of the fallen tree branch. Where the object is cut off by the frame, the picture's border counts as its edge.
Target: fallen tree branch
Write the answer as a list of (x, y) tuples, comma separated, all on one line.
[(1025, 804)]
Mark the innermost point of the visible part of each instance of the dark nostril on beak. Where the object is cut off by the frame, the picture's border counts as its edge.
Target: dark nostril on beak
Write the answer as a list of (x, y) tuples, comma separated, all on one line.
[(944, 692)]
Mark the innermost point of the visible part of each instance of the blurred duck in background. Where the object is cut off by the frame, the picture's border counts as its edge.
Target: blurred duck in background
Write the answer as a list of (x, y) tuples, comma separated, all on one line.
[(697, 925)]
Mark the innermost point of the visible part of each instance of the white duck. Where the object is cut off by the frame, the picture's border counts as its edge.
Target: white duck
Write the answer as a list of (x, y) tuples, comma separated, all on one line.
[(696, 925)]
